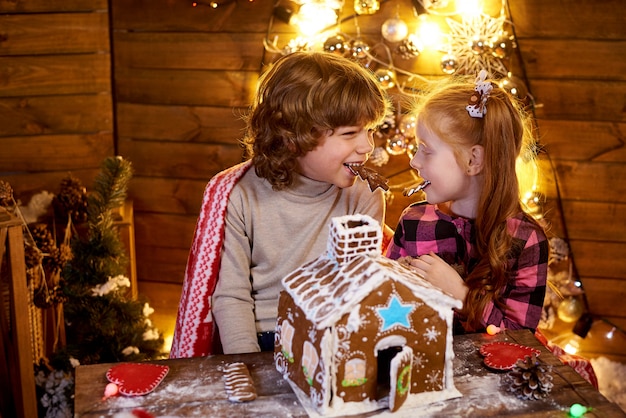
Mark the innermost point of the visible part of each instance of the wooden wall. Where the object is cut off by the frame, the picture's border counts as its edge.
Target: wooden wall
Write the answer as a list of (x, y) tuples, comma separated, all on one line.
[(56, 111), (183, 75), (573, 52)]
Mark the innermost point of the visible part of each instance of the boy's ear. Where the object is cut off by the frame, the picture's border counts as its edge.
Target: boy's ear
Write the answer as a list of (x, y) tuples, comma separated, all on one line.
[(477, 156), (290, 144)]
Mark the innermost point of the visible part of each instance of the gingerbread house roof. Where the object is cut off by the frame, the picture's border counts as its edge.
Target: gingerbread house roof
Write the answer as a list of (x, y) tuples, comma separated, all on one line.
[(326, 288)]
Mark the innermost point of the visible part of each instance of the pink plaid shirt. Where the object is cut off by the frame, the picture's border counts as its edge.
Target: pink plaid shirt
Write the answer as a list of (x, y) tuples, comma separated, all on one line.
[(424, 228)]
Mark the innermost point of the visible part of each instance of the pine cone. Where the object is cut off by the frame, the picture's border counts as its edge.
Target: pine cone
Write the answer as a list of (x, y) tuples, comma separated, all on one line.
[(6, 194), (32, 256), (43, 238), (72, 198), (530, 379)]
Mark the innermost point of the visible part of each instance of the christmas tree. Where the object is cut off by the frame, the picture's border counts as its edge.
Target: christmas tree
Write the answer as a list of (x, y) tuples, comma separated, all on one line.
[(102, 324), (79, 283)]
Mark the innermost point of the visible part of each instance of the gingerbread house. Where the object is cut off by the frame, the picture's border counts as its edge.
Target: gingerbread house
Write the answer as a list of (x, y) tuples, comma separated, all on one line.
[(358, 332)]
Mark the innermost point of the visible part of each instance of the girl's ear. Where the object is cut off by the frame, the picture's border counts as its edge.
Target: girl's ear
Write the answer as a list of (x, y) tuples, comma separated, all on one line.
[(475, 164)]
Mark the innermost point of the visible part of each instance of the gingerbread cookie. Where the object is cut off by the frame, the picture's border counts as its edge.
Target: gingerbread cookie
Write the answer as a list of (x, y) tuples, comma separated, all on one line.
[(238, 383), (373, 179)]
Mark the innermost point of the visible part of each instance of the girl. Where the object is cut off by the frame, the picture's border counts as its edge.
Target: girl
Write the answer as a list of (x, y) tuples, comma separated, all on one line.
[(310, 130), (472, 237)]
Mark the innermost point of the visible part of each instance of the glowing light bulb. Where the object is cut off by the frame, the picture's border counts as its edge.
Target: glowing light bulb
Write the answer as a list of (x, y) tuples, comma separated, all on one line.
[(492, 329), (313, 18), (573, 345), (609, 335), (429, 33), (468, 8), (577, 410)]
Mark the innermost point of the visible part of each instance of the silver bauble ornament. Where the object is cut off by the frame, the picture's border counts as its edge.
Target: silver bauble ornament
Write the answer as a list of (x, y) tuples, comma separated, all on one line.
[(359, 50), (502, 45), (514, 86), (396, 145), (478, 45), (385, 77), (407, 125), (449, 64), (366, 7), (394, 29), (336, 45), (570, 309)]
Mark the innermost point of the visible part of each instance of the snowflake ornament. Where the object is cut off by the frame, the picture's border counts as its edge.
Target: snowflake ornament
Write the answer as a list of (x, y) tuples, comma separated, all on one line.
[(469, 44)]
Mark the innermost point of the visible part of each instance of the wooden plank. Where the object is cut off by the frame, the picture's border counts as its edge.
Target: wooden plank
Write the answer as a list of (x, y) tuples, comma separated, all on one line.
[(160, 264), (599, 259), (580, 99), (41, 6), (595, 221), (181, 16), (573, 19), (583, 140), (594, 182), (200, 51), (78, 152), (589, 61), (20, 351), (178, 160), (219, 125), (56, 114), (605, 296), (25, 185), (56, 74), (186, 87), (174, 231), (167, 195), (162, 295), (58, 33)]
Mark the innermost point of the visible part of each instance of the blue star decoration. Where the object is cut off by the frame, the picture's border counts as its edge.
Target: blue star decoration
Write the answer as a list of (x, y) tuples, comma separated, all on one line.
[(395, 313)]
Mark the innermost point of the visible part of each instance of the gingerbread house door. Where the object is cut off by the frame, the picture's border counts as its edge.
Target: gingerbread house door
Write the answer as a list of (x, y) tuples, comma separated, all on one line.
[(400, 378)]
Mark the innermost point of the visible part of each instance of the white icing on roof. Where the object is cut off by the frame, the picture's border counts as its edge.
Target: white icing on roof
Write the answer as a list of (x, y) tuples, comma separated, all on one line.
[(326, 290)]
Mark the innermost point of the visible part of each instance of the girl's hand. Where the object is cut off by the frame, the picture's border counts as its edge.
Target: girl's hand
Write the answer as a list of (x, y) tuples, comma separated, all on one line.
[(440, 274)]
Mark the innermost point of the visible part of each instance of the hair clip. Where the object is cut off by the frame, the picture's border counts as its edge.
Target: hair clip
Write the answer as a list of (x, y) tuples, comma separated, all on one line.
[(477, 107)]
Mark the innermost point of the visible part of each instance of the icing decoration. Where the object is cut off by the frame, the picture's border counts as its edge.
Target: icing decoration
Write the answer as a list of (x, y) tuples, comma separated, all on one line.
[(238, 383), (395, 313), (478, 100), (503, 355), (135, 379)]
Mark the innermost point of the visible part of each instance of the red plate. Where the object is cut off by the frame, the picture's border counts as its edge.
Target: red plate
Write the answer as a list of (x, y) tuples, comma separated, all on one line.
[(503, 355)]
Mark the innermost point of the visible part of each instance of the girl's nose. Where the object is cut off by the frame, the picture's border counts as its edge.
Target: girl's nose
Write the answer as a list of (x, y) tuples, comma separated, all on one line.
[(414, 163)]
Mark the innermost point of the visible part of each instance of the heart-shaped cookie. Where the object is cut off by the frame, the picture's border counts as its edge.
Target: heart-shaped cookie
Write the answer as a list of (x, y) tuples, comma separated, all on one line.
[(503, 355), (135, 379)]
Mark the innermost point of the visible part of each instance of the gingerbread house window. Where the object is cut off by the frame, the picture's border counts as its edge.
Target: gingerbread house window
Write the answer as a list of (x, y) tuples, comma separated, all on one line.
[(354, 372), (310, 359), (286, 340)]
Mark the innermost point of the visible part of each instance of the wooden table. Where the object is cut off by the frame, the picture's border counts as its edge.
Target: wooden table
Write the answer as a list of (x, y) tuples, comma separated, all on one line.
[(194, 387)]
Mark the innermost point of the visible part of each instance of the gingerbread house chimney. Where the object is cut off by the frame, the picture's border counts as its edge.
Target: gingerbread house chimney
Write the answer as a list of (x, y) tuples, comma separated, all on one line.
[(353, 234)]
